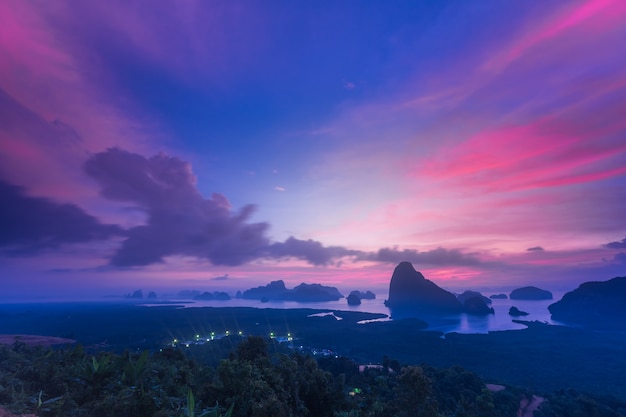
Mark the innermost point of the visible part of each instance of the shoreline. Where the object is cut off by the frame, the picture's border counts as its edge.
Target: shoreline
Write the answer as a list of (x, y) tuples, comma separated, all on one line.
[(34, 340)]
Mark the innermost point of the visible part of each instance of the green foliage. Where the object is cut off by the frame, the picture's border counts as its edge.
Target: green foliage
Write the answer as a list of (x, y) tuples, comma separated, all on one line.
[(167, 383), (575, 404), (414, 394), (254, 347), (190, 410), (134, 369)]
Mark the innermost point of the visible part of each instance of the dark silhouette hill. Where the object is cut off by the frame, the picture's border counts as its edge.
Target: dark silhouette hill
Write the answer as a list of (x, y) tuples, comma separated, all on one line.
[(597, 304), (498, 297), (410, 291), (516, 312), (476, 305), (313, 292), (276, 291), (353, 299), (215, 295), (367, 295), (530, 293), (470, 294)]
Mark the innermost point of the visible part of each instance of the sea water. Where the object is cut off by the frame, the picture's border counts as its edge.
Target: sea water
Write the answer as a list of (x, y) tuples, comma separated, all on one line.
[(461, 323)]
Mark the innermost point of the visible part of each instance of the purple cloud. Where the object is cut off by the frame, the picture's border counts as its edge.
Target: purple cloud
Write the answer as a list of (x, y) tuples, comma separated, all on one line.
[(535, 249), (310, 250), (30, 224), (616, 245), (439, 257), (180, 221)]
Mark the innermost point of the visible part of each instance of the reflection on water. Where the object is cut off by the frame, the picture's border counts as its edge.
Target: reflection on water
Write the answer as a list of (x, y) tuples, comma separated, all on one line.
[(462, 323), (537, 311)]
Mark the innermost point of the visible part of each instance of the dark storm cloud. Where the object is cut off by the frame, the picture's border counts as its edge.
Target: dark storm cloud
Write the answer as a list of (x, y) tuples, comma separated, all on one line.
[(438, 257), (29, 224), (616, 245), (535, 249), (180, 221), (310, 250)]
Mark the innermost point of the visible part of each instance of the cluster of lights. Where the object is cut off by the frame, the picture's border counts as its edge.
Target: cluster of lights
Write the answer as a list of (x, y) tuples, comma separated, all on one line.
[(212, 336)]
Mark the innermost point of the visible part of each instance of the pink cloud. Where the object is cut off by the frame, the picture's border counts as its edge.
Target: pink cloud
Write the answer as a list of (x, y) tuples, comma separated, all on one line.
[(57, 106), (590, 16), (546, 152), (51, 67)]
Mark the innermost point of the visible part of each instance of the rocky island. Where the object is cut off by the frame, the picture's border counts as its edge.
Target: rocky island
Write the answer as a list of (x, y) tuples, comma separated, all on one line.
[(367, 295), (411, 292), (215, 295), (471, 294), (353, 299), (516, 312), (276, 291), (530, 293), (498, 297)]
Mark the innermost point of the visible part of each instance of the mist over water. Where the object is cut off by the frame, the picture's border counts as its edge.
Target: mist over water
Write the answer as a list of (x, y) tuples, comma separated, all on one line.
[(462, 323)]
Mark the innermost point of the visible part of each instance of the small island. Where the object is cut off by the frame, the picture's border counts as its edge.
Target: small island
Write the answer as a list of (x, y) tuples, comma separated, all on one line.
[(477, 306), (530, 293), (277, 291), (367, 295), (466, 295), (498, 297), (353, 299), (516, 312), (216, 295)]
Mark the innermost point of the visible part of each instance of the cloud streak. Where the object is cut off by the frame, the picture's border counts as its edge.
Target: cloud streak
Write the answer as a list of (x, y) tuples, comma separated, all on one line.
[(617, 244), (535, 249), (434, 257)]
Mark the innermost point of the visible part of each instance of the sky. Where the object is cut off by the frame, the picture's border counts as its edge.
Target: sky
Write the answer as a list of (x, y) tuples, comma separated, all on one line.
[(221, 145)]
